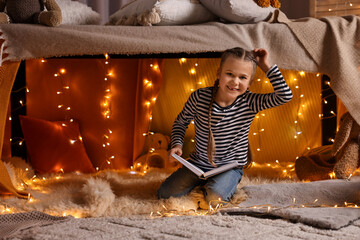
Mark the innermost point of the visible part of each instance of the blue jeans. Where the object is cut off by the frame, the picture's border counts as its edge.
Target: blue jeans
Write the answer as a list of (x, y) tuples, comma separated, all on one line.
[(182, 181)]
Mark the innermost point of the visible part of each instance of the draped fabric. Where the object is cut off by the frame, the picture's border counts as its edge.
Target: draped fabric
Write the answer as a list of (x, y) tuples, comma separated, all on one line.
[(105, 7)]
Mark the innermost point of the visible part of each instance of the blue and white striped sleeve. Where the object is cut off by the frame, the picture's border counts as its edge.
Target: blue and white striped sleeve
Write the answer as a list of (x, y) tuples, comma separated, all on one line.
[(183, 120), (282, 93)]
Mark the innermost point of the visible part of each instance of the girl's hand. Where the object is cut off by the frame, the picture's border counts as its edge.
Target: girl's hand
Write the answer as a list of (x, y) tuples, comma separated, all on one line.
[(261, 56), (175, 150)]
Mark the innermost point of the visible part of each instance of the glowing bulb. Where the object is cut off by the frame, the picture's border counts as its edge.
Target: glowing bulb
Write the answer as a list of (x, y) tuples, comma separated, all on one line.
[(147, 103), (58, 93), (192, 71), (60, 106), (55, 75), (302, 95), (302, 73), (106, 56), (72, 141), (42, 60), (68, 108), (183, 60), (258, 149), (156, 67), (10, 118), (63, 70), (154, 99)]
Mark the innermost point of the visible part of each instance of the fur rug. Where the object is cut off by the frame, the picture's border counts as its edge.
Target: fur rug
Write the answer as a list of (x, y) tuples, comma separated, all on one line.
[(105, 194), (125, 202)]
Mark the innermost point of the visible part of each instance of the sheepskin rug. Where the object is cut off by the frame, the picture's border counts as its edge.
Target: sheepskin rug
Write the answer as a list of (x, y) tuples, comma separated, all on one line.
[(107, 193)]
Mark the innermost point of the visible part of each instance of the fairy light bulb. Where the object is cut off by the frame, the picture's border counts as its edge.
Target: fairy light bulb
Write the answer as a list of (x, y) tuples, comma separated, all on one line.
[(62, 71)]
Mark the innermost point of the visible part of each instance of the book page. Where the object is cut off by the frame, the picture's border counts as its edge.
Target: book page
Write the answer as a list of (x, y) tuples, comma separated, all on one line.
[(187, 164), (221, 169)]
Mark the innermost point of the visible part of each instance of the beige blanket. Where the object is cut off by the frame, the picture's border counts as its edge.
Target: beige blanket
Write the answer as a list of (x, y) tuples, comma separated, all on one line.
[(330, 45)]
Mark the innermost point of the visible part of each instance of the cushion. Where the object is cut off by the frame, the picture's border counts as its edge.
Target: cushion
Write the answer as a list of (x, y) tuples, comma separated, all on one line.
[(238, 11), (53, 147), (165, 12), (76, 13)]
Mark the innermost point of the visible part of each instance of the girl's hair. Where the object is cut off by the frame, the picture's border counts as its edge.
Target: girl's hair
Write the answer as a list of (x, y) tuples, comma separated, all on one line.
[(237, 53)]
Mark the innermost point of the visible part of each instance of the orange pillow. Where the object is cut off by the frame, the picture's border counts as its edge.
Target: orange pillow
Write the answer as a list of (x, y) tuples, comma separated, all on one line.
[(55, 146)]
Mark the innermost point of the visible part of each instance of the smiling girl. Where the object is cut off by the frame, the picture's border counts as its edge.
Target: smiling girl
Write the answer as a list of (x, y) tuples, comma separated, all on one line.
[(222, 115)]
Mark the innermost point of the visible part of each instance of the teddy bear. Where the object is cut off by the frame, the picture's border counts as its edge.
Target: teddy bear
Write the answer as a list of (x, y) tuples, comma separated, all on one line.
[(31, 11), (346, 147), (338, 160), (267, 3), (155, 153)]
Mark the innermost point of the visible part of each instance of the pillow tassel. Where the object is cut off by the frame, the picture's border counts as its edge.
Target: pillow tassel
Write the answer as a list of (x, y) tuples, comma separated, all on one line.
[(149, 18)]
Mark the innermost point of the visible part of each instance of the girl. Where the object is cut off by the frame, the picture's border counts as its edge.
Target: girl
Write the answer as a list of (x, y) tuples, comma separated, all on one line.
[(222, 115)]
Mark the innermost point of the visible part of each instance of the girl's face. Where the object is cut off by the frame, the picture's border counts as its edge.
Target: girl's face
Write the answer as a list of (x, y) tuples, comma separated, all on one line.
[(234, 78)]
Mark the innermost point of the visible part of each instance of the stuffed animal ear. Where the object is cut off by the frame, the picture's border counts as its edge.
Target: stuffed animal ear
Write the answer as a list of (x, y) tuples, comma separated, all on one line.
[(344, 132)]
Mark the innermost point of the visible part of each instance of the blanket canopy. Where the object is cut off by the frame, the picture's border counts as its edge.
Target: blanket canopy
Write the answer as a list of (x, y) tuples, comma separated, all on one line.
[(329, 45)]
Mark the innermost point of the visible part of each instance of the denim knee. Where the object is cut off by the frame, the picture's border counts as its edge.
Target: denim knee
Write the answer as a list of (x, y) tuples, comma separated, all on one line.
[(178, 184), (223, 186)]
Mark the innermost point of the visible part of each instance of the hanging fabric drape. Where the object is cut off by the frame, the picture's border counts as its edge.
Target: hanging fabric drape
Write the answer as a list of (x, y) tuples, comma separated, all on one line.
[(105, 7)]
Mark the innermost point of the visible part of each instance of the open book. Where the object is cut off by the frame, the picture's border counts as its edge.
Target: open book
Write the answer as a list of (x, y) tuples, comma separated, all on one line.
[(200, 173)]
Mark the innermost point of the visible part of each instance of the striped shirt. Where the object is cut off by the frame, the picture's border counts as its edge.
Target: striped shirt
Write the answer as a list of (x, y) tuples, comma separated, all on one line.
[(230, 124)]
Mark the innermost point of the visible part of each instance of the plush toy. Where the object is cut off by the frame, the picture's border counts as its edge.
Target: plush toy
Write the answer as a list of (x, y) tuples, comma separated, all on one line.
[(267, 3), (316, 164), (339, 160), (30, 11), (346, 147), (155, 153)]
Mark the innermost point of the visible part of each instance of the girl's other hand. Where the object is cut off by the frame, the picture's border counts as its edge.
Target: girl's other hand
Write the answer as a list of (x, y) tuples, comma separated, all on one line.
[(261, 56), (175, 150)]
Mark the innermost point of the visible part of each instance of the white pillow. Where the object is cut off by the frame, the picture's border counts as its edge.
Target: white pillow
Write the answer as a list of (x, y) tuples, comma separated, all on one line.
[(238, 11), (170, 12), (77, 13)]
